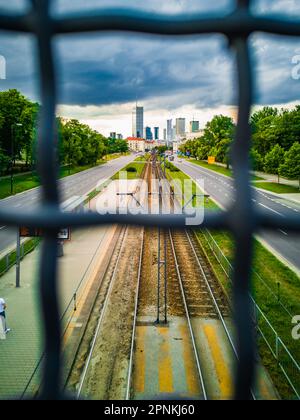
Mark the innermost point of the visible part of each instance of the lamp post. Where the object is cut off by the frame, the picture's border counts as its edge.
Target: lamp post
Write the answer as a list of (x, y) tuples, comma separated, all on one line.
[(12, 156)]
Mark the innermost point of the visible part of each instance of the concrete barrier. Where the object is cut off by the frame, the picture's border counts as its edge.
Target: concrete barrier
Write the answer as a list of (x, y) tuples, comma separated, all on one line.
[(2, 328)]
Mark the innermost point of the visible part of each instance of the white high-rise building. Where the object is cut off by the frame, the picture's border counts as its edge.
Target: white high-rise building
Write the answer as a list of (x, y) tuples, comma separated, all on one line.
[(138, 121), (169, 131)]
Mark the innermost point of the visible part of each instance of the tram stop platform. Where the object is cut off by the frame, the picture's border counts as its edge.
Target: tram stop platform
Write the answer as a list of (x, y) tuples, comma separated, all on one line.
[(165, 364)]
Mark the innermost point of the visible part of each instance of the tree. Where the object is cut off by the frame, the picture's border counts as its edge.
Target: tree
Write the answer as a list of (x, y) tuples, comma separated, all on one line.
[(291, 166), (13, 104), (273, 160), (263, 125), (256, 159), (4, 161), (80, 145)]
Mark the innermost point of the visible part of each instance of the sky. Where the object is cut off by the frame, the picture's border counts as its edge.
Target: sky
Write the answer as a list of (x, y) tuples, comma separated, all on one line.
[(100, 77)]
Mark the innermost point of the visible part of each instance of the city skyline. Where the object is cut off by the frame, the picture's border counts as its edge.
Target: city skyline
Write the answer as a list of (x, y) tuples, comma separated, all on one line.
[(99, 84)]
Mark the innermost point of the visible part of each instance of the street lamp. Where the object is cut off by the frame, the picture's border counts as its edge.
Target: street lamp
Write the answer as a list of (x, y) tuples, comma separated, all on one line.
[(12, 156)]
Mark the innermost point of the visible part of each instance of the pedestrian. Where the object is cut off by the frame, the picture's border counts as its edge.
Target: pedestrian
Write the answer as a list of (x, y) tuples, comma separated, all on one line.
[(2, 313)]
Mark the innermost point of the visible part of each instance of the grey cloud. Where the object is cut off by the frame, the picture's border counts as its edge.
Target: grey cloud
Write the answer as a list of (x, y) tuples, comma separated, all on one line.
[(106, 69)]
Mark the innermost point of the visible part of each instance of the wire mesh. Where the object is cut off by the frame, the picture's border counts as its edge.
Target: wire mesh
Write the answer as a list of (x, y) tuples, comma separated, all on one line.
[(242, 219)]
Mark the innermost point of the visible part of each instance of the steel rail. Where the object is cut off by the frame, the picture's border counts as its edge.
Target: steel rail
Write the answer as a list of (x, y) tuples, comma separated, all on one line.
[(130, 367), (107, 297), (198, 363), (215, 302)]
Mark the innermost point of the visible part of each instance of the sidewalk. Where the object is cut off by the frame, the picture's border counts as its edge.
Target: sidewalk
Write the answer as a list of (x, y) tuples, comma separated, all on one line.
[(22, 349), (84, 257), (274, 178)]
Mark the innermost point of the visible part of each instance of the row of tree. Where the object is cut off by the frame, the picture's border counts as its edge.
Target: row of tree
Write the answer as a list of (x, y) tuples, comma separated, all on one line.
[(275, 141), (78, 143)]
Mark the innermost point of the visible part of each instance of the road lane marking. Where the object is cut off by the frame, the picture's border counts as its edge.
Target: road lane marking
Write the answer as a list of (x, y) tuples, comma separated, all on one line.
[(2, 227), (269, 208), (282, 231)]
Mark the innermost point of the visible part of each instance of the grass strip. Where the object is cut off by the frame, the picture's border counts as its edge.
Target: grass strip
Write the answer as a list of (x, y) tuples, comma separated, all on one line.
[(277, 188)]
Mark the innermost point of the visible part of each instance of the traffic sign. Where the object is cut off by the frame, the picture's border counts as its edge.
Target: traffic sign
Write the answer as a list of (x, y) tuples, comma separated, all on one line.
[(27, 232)]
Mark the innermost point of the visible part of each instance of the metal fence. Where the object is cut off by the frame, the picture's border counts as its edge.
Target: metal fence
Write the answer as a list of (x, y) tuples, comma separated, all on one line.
[(243, 219), (285, 360)]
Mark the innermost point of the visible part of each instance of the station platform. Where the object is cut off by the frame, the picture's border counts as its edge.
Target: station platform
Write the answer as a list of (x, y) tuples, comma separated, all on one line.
[(23, 346), (164, 365)]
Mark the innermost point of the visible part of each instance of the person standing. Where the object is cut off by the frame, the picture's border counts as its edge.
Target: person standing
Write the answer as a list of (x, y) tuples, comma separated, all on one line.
[(2, 313)]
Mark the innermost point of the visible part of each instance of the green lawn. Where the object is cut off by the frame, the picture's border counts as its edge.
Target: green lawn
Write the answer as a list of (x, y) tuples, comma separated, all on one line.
[(219, 169), (277, 188), (131, 175), (268, 272)]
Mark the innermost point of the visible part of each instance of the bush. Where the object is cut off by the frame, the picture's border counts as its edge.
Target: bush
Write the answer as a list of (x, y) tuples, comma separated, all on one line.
[(131, 169), (171, 167)]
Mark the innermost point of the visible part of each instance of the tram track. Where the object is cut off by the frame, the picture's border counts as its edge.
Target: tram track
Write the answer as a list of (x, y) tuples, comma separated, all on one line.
[(197, 277), (136, 298), (106, 368)]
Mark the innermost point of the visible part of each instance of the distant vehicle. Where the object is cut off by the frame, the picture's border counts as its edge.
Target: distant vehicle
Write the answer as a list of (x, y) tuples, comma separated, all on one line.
[(171, 158), (179, 161)]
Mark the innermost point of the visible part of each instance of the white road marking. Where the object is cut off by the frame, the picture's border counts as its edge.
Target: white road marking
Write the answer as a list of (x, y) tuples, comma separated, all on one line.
[(2, 227), (282, 231), (274, 211)]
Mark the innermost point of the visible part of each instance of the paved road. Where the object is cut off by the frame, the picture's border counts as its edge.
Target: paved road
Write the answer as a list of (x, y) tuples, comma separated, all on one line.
[(77, 184), (221, 189)]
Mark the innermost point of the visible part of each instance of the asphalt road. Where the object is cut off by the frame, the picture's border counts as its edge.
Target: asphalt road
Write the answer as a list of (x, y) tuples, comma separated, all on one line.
[(77, 184), (221, 188)]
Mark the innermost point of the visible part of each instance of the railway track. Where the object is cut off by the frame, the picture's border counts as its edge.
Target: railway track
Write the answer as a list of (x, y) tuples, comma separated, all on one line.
[(136, 297), (107, 366), (201, 292), (102, 314)]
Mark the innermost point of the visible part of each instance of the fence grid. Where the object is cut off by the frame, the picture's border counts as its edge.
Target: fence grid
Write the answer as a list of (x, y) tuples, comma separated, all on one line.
[(242, 219)]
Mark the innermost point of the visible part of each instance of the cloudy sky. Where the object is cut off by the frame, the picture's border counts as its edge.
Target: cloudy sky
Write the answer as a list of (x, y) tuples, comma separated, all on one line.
[(101, 76)]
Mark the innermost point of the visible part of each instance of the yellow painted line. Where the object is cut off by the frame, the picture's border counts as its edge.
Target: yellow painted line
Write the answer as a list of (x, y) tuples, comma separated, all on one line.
[(222, 370), (139, 360), (165, 374), (189, 364), (264, 390)]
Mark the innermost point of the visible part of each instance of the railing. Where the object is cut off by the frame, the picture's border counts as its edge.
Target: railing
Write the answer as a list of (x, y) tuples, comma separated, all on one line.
[(9, 259), (278, 349), (243, 220)]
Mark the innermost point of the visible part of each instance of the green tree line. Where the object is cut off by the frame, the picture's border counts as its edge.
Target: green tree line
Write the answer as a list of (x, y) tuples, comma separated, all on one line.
[(79, 144), (275, 141)]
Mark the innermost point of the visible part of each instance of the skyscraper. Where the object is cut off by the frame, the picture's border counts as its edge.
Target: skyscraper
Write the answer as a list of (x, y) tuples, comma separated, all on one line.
[(194, 126), (180, 126), (156, 133), (169, 131), (149, 135), (165, 134), (138, 121)]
